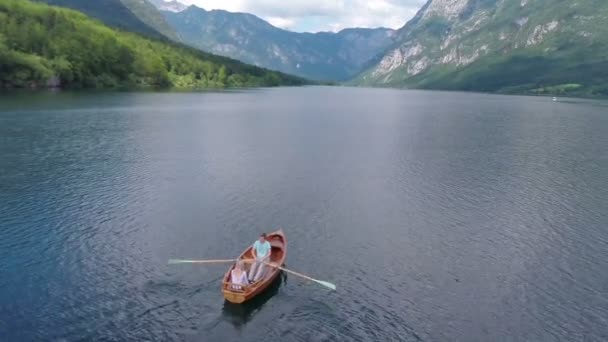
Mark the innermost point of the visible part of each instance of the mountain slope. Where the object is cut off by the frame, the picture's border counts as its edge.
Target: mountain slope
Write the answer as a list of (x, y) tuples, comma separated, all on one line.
[(321, 56), (171, 6), (536, 46), (42, 45), (148, 13), (137, 16)]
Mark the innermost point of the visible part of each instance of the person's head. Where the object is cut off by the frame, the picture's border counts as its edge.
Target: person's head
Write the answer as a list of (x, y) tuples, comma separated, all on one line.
[(263, 237), (240, 265)]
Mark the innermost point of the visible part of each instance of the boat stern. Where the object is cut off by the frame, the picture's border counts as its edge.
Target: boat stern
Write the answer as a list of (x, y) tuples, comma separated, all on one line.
[(234, 297)]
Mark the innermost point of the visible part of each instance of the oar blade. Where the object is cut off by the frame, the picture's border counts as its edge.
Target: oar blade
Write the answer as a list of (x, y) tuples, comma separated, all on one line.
[(321, 282), (327, 284)]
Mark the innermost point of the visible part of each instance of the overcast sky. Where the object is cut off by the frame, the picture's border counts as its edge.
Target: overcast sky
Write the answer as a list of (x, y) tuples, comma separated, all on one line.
[(321, 15)]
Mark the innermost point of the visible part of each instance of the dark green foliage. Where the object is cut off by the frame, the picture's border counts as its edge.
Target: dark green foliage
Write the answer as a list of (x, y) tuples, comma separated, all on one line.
[(521, 73), (41, 45), (112, 12), (139, 16)]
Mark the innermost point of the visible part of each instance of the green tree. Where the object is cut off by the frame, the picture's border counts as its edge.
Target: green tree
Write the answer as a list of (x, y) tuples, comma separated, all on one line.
[(222, 75), (39, 42)]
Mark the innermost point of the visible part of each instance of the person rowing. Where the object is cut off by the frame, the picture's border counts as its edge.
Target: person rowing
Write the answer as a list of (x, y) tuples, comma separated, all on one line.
[(261, 253)]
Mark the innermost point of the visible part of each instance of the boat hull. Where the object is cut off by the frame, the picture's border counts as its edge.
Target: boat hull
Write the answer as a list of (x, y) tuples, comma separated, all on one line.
[(278, 254)]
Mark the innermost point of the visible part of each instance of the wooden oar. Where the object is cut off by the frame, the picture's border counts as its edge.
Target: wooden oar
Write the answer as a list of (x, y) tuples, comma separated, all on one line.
[(181, 261), (324, 283)]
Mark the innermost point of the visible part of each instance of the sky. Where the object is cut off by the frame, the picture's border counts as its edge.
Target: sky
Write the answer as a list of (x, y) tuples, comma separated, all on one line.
[(321, 15)]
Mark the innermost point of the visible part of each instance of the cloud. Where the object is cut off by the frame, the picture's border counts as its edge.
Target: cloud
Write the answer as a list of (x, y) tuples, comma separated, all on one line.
[(321, 15), (282, 22)]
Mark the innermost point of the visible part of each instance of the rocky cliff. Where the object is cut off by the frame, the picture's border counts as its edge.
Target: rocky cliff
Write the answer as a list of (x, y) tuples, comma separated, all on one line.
[(539, 46)]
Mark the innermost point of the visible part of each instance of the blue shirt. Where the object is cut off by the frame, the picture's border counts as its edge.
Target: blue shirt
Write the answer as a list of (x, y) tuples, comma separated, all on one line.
[(261, 249)]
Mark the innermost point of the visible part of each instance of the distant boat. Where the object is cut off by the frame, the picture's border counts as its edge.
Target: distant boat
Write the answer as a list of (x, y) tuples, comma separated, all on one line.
[(278, 243), (554, 98)]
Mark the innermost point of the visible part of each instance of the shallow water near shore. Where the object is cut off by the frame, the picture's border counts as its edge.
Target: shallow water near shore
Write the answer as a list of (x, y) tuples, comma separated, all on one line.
[(439, 216)]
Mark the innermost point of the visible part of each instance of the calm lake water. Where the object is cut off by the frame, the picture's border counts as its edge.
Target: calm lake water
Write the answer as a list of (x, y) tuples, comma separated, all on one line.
[(439, 216)]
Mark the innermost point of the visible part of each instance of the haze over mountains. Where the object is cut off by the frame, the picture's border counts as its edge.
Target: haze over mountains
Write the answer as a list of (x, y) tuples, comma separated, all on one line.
[(171, 6), (320, 56)]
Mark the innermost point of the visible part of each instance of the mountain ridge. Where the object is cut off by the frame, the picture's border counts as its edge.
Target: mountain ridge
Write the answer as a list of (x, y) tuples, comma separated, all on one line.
[(325, 56)]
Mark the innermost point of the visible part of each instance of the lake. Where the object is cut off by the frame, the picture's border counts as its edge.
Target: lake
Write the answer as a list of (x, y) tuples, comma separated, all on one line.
[(439, 216)]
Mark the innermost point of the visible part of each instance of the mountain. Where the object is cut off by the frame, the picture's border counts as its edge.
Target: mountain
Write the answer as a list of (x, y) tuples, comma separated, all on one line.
[(171, 6), (320, 56), (511, 46), (47, 46), (148, 13), (138, 16)]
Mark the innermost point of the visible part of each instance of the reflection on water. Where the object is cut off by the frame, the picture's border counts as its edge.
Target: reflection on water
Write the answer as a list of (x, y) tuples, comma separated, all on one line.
[(240, 314)]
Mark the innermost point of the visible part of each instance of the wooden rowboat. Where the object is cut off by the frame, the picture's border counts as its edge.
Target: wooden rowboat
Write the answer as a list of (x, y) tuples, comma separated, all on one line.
[(278, 253)]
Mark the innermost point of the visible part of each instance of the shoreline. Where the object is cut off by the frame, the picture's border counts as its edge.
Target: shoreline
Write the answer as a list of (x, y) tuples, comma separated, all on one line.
[(150, 89)]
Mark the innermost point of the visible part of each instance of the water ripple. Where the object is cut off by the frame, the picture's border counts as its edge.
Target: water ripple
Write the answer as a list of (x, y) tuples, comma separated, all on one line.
[(459, 217)]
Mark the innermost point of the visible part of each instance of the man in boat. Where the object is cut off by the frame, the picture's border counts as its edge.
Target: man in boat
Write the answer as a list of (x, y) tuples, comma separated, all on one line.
[(261, 253)]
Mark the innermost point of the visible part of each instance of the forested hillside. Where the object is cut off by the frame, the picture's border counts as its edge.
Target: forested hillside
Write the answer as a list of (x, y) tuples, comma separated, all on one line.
[(113, 13), (41, 46)]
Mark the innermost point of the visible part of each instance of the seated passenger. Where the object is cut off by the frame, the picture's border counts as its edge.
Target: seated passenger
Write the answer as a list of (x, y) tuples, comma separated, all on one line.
[(238, 276)]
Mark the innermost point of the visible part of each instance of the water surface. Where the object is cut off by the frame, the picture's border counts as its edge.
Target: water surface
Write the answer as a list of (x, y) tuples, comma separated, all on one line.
[(440, 216)]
